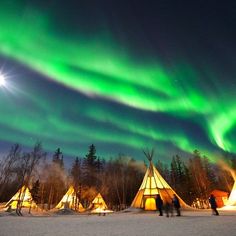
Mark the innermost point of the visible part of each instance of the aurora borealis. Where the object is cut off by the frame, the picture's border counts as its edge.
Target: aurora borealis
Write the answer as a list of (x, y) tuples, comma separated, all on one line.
[(124, 76)]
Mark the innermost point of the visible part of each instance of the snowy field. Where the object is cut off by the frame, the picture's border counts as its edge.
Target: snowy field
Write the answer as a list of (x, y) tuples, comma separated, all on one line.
[(190, 223)]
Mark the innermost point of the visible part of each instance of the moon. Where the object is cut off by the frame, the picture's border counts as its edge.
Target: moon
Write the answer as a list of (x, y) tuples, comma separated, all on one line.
[(2, 80)]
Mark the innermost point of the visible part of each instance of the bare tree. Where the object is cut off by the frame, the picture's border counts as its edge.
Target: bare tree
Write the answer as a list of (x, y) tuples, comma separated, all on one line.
[(28, 163), (7, 166)]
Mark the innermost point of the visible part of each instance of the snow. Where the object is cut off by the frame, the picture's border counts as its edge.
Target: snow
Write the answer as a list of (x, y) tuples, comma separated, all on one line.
[(191, 223)]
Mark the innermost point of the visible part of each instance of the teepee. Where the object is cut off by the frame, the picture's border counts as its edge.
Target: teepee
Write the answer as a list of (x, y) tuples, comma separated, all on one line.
[(153, 184), (232, 197), (98, 205), (23, 197), (70, 200)]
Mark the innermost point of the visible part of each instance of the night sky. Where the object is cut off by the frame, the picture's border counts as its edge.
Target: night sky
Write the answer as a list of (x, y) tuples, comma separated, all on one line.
[(123, 75)]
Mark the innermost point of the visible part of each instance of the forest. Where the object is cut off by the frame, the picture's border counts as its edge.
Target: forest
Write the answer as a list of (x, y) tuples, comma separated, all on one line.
[(118, 179)]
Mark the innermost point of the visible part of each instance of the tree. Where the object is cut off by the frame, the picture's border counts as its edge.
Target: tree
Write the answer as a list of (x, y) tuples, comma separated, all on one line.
[(35, 191), (121, 180), (91, 157), (188, 184), (210, 174), (28, 163), (76, 172), (173, 172), (179, 176), (199, 178), (55, 178), (7, 169), (58, 158), (76, 178), (160, 167), (90, 167)]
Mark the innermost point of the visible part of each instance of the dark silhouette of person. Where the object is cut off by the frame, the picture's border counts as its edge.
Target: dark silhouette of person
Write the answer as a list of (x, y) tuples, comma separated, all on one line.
[(159, 204), (176, 204), (213, 204), (168, 208)]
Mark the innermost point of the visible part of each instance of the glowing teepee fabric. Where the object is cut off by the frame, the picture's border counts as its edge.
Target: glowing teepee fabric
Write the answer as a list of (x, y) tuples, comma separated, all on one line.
[(232, 197), (70, 200), (23, 197), (153, 184)]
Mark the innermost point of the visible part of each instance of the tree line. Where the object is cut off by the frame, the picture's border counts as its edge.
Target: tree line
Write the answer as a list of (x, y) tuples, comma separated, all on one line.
[(118, 179)]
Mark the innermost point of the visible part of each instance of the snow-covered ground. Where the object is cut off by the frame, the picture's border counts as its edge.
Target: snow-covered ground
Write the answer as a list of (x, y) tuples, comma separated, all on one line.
[(191, 223)]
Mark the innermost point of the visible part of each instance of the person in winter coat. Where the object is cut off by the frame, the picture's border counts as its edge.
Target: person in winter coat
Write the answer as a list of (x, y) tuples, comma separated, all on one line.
[(213, 204), (168, 208), (176, 204), (159, 204)]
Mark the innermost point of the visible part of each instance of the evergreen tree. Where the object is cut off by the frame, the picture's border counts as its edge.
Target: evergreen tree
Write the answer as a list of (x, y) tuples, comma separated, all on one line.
[(174, 172), (90, 167), (56, 175), (164, 171), (58, 158), (99, 165), (188, 184), (178, 175), (91, 157), (35, 191), (160, 167), (210, 174), (76, 178), (76, 172)]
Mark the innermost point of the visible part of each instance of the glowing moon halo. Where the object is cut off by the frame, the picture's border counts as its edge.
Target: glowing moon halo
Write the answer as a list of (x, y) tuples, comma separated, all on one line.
[(2, 80)]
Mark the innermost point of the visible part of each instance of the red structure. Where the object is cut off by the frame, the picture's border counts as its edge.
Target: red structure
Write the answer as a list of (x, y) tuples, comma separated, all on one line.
[(221, 197)]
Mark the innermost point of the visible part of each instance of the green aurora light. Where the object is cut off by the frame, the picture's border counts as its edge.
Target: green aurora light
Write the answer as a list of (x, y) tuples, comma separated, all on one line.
[(101, 69)]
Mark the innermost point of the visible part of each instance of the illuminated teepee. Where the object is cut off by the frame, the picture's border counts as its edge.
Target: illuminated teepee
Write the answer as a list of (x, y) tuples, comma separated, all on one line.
[(98, 205), (231, 203), (70, 200), (23, 197), (153, 184), (232, 197)]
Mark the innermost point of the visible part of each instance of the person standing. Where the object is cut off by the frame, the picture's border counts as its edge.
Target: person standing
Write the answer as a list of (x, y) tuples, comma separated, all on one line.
[(213, 204), (159, 204), (168, 208), (176, 204)]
